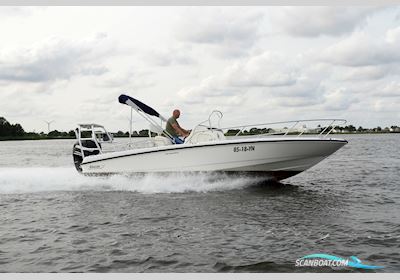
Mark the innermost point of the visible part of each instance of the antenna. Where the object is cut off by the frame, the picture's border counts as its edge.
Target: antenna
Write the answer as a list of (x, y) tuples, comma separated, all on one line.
[(48, 126)]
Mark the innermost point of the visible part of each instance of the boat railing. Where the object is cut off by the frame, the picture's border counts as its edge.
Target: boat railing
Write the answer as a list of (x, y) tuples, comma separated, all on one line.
[(321, 127), (215, 113), (95, 134)]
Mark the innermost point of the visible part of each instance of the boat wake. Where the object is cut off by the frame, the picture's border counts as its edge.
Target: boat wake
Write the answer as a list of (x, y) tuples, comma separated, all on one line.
[(47, 179)]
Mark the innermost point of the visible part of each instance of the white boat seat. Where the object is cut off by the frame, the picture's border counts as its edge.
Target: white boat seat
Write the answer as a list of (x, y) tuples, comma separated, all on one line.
[(162, 141), (201, 134)]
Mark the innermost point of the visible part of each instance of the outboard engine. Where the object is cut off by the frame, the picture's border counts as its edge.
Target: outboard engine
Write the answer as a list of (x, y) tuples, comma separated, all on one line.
[(77, 152)]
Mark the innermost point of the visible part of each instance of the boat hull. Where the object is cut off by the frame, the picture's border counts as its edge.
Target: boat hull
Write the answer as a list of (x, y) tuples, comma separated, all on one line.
[(278, 158)]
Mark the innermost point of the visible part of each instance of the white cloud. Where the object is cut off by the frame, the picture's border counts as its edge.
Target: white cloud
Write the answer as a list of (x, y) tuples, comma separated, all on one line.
[(339, 99), (227, 31), (391, 89), (124, 79), (305, 92), (264, 70), (268, 69), (169, 56), (283, 81), (53, 59), (393, 35), (362, 49), (317, 21), (374, 72), (385, 106)]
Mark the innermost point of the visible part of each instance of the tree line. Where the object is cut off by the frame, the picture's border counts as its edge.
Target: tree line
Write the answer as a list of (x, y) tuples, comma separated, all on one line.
[(10, 131)]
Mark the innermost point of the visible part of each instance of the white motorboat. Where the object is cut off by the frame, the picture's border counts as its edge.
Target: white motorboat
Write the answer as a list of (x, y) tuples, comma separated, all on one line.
[(280, 153)]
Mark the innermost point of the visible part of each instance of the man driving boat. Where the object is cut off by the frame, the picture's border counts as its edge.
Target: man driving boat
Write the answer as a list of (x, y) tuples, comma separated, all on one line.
[(174, 129)]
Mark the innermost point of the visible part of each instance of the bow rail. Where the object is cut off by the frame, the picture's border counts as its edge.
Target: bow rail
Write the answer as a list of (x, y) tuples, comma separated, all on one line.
[(299, 127)]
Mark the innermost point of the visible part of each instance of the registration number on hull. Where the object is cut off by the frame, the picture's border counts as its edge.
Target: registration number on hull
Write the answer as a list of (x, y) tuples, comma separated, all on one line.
[(244, 149)]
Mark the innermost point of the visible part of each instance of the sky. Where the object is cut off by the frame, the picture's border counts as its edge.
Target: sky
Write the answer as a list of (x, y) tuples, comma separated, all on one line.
[(255, 64)]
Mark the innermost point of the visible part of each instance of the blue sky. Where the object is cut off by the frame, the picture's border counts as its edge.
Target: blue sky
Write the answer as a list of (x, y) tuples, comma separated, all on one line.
[(256, 64)]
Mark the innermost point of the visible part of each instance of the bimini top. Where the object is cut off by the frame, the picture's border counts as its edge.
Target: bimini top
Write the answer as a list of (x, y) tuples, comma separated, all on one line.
[(138, 105)]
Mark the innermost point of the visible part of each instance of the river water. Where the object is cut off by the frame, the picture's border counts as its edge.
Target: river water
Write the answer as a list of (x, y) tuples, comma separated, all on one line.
[(56, 220)]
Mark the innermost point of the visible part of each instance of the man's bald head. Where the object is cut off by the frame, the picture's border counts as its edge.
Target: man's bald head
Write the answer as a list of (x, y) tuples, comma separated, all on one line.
[(176, 113)]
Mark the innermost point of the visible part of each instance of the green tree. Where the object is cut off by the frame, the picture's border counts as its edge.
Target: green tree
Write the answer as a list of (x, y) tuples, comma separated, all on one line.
[(144, 133), (7, 129), (135, 133), (17, 130), (350, 128), (71, 133), (54, 133), (120, 133)]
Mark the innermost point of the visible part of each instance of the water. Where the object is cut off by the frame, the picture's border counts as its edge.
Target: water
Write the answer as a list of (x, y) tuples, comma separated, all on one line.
[(55, 220)]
